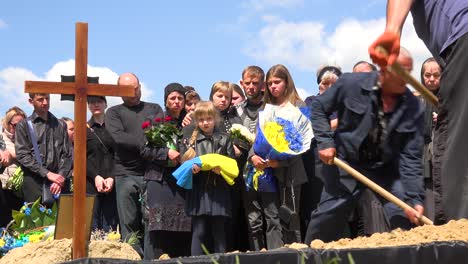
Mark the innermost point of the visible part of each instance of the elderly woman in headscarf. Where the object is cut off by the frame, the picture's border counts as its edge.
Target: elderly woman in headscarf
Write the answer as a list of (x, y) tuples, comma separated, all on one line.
[(168, 227), (430, 78)]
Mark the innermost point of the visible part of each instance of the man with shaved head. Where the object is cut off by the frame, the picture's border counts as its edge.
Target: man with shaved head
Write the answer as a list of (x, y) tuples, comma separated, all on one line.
[(379, 133), (124, 123)]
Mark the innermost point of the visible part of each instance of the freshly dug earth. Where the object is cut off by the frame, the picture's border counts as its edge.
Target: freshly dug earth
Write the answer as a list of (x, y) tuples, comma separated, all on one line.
[(56, 251), (452, 231)]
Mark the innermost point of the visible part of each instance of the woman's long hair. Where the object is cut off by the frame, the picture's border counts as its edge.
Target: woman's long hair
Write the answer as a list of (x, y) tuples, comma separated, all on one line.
[(290, 93)]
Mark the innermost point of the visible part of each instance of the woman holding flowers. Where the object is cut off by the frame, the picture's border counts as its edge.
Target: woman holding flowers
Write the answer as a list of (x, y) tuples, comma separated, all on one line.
[(8, 200), (209, 201), (168, 228), (290, 172)]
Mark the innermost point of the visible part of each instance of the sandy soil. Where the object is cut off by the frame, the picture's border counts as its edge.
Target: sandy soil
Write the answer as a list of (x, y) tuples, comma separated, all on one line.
[(452, 231), (60, 250), (56, 251)]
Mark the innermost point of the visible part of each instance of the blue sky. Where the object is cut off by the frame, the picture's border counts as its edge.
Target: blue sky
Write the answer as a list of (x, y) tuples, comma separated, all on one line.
[(191, 42)]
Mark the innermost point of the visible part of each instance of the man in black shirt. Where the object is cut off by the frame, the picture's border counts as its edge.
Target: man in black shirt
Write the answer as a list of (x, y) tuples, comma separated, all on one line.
[(53, 163), (124, 124)]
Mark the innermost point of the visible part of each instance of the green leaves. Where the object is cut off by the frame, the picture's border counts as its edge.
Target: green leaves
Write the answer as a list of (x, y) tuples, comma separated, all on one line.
[(33, 215), (15, 182), (162, 132)]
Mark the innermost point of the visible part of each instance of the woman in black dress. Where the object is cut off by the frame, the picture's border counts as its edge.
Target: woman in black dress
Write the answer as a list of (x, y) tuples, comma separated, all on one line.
[(100, 165), (168, 227)]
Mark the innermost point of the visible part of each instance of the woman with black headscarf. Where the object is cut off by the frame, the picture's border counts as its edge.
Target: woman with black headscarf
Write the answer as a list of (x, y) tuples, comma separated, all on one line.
[(168, 227)]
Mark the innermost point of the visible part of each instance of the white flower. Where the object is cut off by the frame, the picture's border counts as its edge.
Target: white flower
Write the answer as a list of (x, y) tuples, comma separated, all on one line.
[(243, 131)]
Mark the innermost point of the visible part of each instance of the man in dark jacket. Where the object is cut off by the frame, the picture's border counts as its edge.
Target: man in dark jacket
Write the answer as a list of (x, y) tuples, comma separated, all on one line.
[(379, 134), (124, 124), (53, 162)]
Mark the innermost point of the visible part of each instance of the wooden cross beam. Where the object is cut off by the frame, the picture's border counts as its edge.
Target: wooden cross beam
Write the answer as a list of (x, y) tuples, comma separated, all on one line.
[(81, 89)]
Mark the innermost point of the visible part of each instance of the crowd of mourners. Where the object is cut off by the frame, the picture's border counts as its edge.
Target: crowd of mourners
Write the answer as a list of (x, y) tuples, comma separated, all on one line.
[(135, 190), (365, 116)]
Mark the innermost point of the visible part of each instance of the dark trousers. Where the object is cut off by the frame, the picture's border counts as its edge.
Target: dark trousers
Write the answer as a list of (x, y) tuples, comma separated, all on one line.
[(450, 162), (369, 216), (312, 189), (262, 211), (175, 244), (105, 215), (8, 201), (337, 202), (129, 190), (236, 226), (206, 228)]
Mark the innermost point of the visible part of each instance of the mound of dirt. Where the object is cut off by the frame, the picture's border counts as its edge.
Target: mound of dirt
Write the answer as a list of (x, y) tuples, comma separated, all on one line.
[(56, 251), (452, 231)]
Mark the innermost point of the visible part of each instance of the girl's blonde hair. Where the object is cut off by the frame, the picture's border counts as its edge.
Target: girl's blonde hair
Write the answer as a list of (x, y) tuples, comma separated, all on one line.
[(203, 108), (280, 71), (10, 113)]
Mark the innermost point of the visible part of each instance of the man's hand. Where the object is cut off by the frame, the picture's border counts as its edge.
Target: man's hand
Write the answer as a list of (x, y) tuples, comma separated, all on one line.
[(327, 155), (195, 169), (415, 214), (56, 178), (391, 42), (173, 155), (99, 182), (55, 188)]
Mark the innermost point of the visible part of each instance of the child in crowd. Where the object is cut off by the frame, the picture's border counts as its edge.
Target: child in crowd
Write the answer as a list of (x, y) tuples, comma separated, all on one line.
[(209, 201)]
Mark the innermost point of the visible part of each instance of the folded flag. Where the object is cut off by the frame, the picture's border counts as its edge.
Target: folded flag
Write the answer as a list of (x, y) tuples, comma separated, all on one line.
[(228, 166)]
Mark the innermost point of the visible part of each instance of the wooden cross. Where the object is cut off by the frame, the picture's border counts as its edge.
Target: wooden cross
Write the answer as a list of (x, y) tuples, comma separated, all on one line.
[(81, 89)]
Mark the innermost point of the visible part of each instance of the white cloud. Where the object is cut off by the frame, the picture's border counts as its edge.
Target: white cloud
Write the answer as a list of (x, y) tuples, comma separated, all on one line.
[(3, 24), (306, 45), (289, 43), (12, 86), (260, 5)]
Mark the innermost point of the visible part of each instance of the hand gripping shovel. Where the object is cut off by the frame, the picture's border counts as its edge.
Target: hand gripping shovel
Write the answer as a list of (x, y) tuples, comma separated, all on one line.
[(376, 188)]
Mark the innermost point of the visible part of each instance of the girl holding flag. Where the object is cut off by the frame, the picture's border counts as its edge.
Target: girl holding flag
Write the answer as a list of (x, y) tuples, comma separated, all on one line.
[(209, 200)]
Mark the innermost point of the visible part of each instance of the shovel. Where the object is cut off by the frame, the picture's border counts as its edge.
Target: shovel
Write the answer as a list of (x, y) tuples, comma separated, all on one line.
[(376, 188)]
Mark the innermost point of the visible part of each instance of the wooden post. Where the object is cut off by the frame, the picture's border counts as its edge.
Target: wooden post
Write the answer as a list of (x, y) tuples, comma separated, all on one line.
[(79, 163)]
